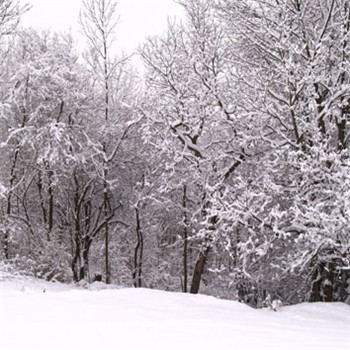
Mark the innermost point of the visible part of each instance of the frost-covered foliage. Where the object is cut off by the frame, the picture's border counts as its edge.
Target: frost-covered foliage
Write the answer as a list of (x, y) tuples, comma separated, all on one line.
[(252, 105), (42, 143), (226, 171), (292, 63), (53, 155), (193, 102)]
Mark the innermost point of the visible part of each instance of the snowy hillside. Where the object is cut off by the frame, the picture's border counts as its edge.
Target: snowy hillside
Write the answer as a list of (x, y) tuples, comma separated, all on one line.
[(38, 315)]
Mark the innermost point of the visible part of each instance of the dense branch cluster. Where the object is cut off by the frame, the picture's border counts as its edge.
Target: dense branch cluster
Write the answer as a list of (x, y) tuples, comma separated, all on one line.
[(226, 171)]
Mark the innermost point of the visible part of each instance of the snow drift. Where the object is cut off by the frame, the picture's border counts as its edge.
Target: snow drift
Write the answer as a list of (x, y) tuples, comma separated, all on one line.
[(40, 315)]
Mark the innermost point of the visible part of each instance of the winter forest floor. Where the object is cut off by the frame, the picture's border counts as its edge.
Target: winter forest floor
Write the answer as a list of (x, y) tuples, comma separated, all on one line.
[(46, 316)]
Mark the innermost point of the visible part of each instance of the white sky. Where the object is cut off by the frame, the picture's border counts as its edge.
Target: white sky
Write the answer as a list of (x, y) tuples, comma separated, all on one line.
[(138, 18)]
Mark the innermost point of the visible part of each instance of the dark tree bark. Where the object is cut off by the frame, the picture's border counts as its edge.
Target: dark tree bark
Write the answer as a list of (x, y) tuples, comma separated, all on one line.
[(185, 238), (323, 283), (198, 270), (39, 185), (106, 220), (138, 253), (84, 268), (50, 200), (76, 261), (9, 199), (202, 258)]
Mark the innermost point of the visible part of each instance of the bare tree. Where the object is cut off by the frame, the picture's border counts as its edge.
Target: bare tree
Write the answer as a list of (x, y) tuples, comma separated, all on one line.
[(98, 21), (111, 81), (10, 14)]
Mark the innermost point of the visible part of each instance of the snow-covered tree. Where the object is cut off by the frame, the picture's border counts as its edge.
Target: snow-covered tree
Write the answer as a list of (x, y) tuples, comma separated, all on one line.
[(10, 14), (192, 121), (291, 62), (42, 140), (114, 87)]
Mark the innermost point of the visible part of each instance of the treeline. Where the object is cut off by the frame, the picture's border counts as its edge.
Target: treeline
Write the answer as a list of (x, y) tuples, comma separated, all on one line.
[(224, 169)]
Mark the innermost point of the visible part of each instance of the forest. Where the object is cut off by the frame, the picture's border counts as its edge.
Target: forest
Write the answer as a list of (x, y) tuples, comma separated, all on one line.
[(222, 169)]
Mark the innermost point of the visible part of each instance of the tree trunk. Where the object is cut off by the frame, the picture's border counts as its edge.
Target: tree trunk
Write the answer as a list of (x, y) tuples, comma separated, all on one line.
[(185, 238), (39, 184), (198, 270), (138, 253), (323, 283), (9, 203), (84, 268), (107, 269), (76, 261), (328, 282), (50, 199), (106, 220), (316, 285)]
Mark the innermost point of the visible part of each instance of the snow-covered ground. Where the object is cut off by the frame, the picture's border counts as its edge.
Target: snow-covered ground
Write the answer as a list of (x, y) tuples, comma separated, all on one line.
[(45, 316)]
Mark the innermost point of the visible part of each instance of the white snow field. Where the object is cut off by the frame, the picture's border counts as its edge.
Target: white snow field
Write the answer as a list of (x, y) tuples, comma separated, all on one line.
[(46, 316)]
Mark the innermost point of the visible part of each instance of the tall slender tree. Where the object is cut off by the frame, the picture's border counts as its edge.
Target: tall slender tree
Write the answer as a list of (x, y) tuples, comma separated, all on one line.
[(98, 21), (112, 87)]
